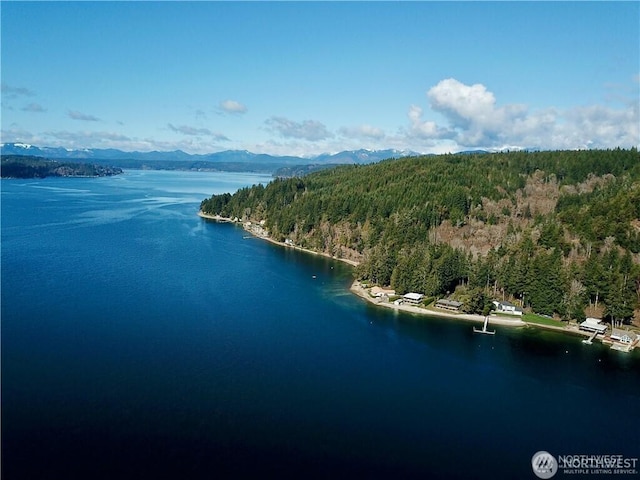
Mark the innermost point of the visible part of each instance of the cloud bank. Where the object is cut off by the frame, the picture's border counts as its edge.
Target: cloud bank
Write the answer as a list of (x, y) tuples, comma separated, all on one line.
[(453, 116), (475, 120)]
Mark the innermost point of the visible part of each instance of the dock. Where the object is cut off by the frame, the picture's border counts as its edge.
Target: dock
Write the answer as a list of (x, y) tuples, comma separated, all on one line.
[(590, 340), (484, 328), (621, 347)]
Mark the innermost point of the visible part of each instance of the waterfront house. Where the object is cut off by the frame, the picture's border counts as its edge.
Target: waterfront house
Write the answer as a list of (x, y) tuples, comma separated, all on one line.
[(378, 292), (413, 298), (623, 336), (507, 307), (593, 325), (449, 305)]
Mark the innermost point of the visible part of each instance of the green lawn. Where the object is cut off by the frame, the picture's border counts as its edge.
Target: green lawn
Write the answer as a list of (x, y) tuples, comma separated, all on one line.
[(533, 318)]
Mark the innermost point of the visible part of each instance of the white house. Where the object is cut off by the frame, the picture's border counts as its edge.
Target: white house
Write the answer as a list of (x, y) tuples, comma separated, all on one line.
[(413, 298), (378, 292), (507, 307), (593, 325)]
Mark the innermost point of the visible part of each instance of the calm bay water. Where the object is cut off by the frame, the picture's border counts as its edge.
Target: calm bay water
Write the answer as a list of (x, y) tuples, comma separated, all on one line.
[(141, 341)]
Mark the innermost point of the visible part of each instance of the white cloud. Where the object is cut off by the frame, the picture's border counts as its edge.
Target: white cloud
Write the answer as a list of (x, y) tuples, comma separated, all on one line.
[(599, 126), (472, 112), (86, 139), (18, 135), (460, 102), (14, 92), (365, 132), (10, 93), (194, 131), (231, 106), (310, 130), (475, 120), (274, 147), (75, 115), (424, 129), (34, 108)]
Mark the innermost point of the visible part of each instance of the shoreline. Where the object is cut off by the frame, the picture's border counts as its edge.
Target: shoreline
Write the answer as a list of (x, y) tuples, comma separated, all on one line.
[(572, 330), (259, 232), (363, 293), (357, 289)]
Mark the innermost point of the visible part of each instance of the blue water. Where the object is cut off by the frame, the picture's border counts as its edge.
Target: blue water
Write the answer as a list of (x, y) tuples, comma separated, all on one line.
[(140, 341)]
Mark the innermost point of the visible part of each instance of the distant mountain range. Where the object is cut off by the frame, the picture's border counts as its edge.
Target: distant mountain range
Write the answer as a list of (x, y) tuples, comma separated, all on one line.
[(226, 160)]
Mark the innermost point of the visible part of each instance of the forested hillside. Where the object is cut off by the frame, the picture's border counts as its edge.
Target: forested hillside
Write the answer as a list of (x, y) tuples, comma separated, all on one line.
[(23, 166), (557, 230)]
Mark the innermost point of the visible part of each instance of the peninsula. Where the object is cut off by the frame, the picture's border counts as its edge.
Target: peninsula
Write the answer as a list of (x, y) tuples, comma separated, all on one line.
[(21, 166), (366, 292), (531, 229)]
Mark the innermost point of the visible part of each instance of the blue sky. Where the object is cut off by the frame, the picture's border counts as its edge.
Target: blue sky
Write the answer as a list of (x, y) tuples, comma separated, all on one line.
[(304, 78)]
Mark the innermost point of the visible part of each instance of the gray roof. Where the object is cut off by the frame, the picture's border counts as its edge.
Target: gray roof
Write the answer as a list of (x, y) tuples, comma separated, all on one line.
[(620, 333), (449, 303)]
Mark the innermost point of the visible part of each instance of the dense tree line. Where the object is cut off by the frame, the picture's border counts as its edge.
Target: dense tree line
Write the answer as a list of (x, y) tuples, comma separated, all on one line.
[(583, 252), (589, 214)]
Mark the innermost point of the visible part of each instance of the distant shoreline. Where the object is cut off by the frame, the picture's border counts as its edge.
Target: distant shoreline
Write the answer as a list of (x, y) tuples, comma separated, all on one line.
[(357, 289)]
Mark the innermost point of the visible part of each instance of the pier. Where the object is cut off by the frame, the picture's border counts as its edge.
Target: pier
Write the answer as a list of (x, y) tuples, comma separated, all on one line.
[(590, 340), (484, 328)]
